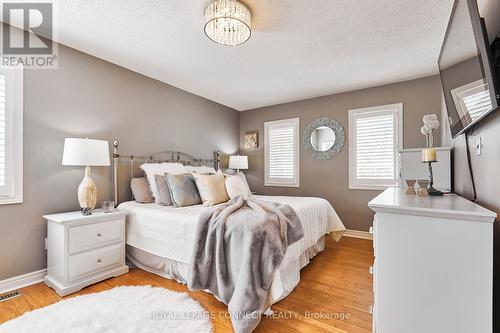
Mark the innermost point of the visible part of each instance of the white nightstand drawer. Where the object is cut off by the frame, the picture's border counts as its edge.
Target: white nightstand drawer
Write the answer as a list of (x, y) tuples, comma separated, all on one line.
[(84, 249), (90, 236), (86, 263)]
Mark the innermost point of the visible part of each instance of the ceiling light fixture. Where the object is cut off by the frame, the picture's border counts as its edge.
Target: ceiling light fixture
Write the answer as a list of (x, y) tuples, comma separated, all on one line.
[(227, 22)]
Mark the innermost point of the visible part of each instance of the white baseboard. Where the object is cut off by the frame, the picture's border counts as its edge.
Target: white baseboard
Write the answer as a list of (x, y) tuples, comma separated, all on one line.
[(358, 234), (22, 281)]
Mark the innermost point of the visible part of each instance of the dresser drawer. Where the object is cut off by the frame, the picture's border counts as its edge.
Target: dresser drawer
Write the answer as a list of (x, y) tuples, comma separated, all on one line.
[(90, 262), (94, 235)]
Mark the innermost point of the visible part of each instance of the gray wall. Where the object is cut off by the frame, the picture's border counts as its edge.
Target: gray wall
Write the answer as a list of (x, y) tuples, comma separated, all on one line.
[(87, 96), (485, 167), (329, 179)]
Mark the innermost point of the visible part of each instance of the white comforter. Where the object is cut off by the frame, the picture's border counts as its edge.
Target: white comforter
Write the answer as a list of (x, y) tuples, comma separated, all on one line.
[(169, 232)]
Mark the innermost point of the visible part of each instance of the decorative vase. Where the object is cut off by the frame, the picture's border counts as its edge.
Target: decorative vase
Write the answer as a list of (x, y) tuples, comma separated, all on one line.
[(422, 191), (87, 193), (411, 187)]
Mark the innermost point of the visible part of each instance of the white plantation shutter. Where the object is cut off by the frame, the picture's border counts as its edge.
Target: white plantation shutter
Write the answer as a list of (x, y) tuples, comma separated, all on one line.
[(281, 152), (375, 147), (11, 135), (375, 135), (472, 100), (478, 103), (3, 130)]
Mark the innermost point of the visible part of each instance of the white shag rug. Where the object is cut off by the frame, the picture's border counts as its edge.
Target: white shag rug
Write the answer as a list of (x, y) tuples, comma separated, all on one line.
[(142, 309)]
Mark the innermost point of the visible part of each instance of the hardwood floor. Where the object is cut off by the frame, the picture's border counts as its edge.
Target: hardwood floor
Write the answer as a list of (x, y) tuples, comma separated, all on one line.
[(336, 283)]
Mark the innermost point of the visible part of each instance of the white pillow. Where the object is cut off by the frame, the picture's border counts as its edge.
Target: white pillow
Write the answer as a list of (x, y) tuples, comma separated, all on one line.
[(236, 185), (201, 169), (152, 169), (244, 178)]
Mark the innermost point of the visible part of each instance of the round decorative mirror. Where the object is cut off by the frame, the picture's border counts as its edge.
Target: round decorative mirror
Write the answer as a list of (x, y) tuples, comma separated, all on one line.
[(324, 138)]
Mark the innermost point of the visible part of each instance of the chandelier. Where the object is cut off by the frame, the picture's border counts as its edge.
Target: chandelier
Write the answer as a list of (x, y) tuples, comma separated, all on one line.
[(227, 22)]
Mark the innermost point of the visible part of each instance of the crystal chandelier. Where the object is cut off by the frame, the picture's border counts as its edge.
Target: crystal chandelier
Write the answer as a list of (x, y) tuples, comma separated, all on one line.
[(227, 22)]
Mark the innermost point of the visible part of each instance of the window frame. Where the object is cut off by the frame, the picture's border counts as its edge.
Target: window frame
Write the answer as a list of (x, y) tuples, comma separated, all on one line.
[(458, 97), (14, 134), (276, 182), (373, 184)]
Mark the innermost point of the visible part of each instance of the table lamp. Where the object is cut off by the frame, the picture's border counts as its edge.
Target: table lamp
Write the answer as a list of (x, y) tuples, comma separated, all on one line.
[(238, 162), (87, 153)]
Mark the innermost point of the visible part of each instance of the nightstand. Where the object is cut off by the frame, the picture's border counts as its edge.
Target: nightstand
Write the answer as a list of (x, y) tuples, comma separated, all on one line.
[(83, 250)]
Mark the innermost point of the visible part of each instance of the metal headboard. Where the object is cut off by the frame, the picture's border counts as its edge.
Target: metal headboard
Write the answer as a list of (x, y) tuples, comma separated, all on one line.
[(161, 157)]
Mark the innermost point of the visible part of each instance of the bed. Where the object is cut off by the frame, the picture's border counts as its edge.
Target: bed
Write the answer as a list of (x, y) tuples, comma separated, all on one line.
[(160, 239)]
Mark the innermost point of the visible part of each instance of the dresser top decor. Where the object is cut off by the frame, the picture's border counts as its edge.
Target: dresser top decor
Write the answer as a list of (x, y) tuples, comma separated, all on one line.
[(394, 200)]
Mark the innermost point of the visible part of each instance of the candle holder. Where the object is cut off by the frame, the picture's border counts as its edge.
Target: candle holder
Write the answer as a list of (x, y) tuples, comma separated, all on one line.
[(430, 188)]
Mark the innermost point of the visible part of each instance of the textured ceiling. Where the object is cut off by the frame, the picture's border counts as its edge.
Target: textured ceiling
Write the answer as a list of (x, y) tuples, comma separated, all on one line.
[(299, 49), (460, 44)]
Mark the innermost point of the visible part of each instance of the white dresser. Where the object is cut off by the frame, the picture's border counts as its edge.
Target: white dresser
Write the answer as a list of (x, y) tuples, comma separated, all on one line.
[(433, 269), (83, 250)]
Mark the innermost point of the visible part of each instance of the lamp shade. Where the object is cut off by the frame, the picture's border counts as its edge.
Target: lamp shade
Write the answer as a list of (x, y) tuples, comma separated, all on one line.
[(238, 162), (85, 152)]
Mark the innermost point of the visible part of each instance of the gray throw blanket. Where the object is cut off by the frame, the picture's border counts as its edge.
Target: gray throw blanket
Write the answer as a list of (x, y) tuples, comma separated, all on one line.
[(238, 247)]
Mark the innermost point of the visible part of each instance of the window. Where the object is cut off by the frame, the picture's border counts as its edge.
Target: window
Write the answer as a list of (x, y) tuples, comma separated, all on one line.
[(375, 135), (11, 135), (472, 100), (281, 141)]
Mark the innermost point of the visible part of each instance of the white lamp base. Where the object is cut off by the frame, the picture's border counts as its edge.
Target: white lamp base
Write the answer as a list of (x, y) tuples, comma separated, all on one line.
[(87, 193)]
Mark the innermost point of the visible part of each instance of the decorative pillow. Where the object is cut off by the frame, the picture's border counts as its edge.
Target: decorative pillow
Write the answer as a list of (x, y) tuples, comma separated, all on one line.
[(152, 169), (236, 185), (183, 190), (163, 190), (244, 178), (141, 191), (212, 189), (204, 170)]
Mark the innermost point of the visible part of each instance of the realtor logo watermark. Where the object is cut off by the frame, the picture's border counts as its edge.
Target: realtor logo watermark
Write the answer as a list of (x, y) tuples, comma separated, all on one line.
[(27, 36)]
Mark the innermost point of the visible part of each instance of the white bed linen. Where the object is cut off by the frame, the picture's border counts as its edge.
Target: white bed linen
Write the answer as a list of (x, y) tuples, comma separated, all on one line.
[(170, 232), (286, 278), (165, 231)]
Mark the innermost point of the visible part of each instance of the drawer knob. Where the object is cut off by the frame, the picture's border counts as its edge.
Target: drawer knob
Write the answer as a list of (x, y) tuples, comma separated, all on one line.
[(99, 261), (370, 230), (370, 309), (99, 234), (370, 270)]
